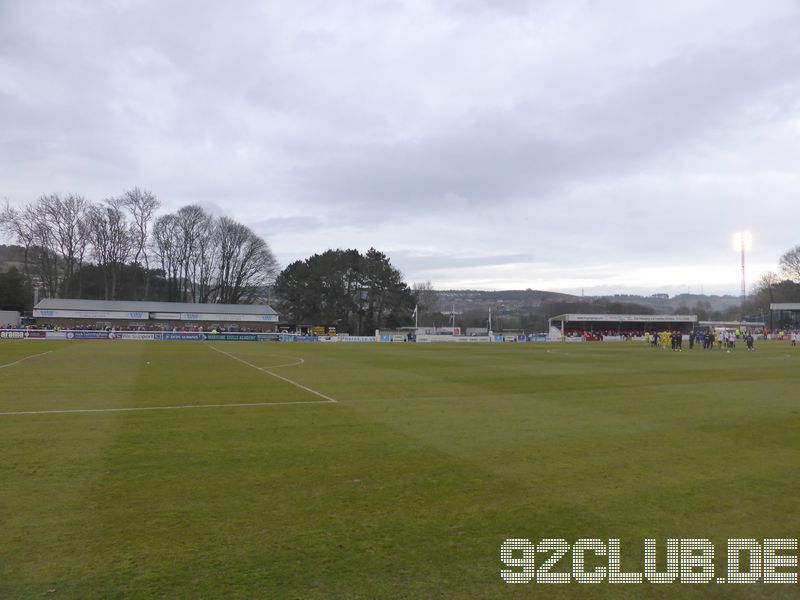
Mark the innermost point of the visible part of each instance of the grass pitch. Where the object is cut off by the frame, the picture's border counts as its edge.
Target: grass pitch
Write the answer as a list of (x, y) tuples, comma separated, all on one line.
[(405, 487)]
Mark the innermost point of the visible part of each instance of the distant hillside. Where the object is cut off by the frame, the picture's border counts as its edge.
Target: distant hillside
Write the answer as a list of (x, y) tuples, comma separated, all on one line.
[(11, 256), (512, 300), (530, 309), (669, 305), (522, 300)]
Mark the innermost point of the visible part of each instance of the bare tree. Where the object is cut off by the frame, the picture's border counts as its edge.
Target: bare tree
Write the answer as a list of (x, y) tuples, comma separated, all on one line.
[(766, 284), (46, 258), (204, 258), (166, 248), (211, 260), (246, 263), (191, 221), (52, 232), (112, 242), (65, 220), (101, 245), (83, 247), (142, 205), (790, 264), (13, 222)]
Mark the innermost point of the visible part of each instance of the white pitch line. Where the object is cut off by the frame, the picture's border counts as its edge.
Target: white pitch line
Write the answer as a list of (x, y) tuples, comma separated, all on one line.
[(25, 358), (263, 370), (297, 363), (142, 408)]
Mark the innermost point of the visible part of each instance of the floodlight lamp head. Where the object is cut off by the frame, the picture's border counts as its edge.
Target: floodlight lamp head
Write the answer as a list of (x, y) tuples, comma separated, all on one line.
[(742, 240)]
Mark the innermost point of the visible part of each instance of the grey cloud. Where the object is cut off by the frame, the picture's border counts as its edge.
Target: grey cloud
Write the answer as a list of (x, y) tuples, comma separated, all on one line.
[(418, 262), (498, 155), (288, 224)]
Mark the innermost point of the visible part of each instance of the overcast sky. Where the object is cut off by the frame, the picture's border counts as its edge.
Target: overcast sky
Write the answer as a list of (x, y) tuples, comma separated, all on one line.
[(491, 144)]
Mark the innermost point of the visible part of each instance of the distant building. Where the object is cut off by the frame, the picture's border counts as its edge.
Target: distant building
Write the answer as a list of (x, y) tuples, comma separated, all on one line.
[(120, 314), (571, 325), (785, 314)]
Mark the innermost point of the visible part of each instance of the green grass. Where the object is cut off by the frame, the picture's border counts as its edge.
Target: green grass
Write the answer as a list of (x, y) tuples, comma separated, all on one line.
[(405, 488)]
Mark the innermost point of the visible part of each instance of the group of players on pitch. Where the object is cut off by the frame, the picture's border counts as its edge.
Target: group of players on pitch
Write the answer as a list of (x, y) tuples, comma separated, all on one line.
[(706, 338)]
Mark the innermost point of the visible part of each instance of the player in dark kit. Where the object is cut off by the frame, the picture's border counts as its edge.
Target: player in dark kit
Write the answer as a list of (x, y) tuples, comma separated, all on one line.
[(708, 343)]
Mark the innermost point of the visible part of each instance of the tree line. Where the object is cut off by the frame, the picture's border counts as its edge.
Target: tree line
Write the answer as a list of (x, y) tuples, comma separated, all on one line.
[(119, 249), (353, 292)]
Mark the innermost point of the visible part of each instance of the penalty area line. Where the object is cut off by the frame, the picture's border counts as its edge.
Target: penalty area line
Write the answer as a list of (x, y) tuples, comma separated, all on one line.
[(143, 408), (286, 379), (24, 359)]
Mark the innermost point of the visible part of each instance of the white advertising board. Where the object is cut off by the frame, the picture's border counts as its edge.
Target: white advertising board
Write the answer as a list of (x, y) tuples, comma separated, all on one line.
[(472, 339), (137, 335)]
